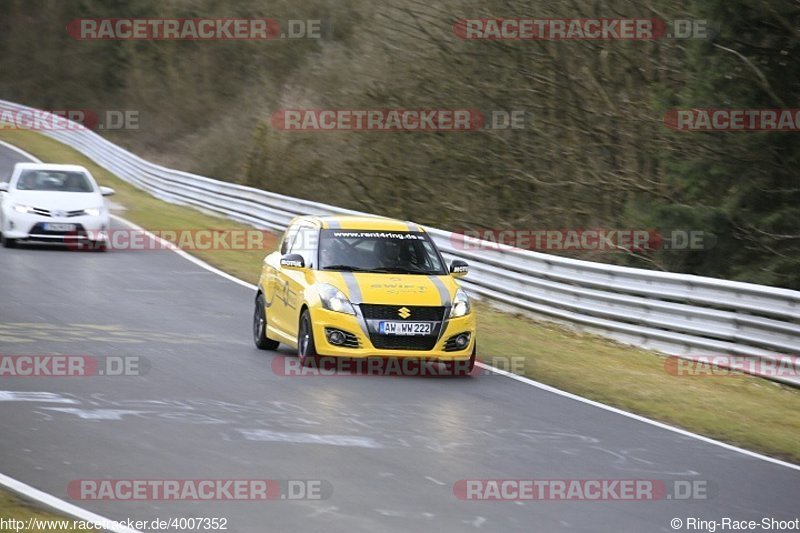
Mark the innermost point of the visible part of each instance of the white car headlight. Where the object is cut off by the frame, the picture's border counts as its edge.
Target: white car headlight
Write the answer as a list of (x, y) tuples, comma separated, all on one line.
[(334, 300), (461, 305), (93, 211), (23, 208)]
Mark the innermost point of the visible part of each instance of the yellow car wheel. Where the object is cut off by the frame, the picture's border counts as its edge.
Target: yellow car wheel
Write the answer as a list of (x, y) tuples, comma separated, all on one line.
[(260, 327), (306, 349)]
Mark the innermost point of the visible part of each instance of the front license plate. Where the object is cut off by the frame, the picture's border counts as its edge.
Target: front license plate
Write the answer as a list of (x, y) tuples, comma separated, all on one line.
[(59, 227), (405, 328)]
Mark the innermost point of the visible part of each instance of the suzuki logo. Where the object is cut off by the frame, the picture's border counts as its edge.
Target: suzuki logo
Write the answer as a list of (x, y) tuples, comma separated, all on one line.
[(403, 312)]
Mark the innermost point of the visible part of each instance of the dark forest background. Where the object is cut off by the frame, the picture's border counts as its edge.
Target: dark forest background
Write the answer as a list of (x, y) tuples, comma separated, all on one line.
[(595, 153)]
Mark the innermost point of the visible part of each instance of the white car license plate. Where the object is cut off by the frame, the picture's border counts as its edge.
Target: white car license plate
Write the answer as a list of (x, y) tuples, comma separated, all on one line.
[(59, 227), (405, 328)]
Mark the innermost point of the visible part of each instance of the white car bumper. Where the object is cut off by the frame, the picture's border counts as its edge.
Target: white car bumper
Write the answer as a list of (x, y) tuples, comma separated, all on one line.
[(33, 227)]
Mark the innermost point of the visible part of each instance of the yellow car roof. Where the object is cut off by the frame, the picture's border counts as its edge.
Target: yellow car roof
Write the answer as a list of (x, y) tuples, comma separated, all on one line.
[(364, 222)]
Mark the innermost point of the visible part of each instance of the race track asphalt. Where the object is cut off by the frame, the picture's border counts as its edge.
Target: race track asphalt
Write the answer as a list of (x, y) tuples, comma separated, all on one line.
[(211, 407)]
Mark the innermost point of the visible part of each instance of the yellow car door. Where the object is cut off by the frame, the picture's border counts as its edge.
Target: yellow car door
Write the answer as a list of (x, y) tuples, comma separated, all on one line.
[(276, 285), (296, 280)]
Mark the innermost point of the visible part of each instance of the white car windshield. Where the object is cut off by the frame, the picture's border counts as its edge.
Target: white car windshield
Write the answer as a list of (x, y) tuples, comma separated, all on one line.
[(54, 180)]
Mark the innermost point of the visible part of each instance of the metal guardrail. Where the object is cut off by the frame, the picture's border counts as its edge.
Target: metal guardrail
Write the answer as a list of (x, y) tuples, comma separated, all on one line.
[(678, 314)]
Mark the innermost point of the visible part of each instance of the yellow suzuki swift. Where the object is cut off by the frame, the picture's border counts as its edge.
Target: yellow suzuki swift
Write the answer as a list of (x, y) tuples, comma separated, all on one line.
[(361, 286)]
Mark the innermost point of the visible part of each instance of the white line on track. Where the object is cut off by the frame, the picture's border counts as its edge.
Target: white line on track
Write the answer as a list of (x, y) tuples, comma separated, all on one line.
[(516, 377), (42, 497), (21, 152), (72, 510), (199, 262), (62, 506), (548, 388)]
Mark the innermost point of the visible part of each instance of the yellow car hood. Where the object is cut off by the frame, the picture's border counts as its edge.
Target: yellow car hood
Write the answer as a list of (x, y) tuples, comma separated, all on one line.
[(391, 289)]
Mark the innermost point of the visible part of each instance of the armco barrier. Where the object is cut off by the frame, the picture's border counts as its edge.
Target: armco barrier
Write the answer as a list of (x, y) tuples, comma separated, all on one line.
[(677, 314)]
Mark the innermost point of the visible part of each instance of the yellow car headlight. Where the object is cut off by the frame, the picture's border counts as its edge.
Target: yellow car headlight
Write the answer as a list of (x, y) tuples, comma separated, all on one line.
[(334, 300), (461, 306)]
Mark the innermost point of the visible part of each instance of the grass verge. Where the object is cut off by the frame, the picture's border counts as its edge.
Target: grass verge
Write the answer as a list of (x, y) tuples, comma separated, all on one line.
[(14, 507), (745, 411), (145, 210)]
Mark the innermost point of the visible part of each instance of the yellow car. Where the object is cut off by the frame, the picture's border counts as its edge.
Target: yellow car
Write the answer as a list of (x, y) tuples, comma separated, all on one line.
[(361, 286)]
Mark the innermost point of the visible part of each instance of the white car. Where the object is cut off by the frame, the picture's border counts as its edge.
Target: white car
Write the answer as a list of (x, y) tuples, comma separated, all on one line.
[(55, 204)]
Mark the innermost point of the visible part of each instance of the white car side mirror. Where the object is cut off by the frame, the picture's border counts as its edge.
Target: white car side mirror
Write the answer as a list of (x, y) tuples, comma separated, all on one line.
[(107, 191), (3, 186)]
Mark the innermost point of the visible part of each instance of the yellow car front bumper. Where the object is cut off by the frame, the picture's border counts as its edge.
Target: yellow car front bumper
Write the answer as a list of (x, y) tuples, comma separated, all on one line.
[(353, 325)]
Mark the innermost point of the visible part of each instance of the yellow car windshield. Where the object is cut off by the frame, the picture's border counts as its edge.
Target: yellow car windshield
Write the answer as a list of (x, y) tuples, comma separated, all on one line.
[(400, 252)]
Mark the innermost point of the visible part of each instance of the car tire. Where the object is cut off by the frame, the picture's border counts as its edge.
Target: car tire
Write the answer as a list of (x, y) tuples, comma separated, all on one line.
[(306, 348), (9, 243), (260, 326), (88, 246), (463, 368)]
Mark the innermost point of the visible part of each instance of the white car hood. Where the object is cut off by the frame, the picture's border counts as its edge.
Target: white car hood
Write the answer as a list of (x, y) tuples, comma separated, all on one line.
[(50, 200)]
